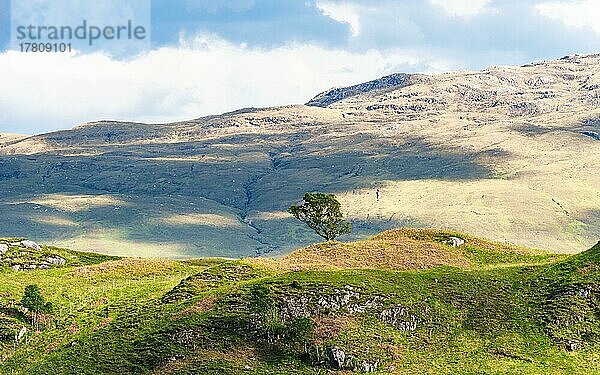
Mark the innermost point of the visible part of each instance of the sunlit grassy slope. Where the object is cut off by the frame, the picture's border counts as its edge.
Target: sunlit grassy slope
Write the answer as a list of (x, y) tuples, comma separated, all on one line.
[(507, 153), (414, 305)]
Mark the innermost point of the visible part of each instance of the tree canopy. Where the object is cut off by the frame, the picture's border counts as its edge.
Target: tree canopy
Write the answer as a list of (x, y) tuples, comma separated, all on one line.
[(35, 303), (322, 213)]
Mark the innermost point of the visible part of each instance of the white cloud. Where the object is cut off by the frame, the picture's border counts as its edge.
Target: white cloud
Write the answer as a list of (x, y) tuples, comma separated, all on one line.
[(342, 12), (581, 13), (464, 8), (203, 75)]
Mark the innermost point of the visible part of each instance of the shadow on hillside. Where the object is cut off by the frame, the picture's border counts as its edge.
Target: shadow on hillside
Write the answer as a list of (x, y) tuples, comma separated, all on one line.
[(229, 176)]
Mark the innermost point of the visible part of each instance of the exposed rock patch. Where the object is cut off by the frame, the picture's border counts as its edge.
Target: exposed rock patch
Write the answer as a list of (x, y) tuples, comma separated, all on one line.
[(56, 260), (569, 313), (28, 255), (338, 359), (400, 318), (336, 300), (328, 97), (455, 241), (31, 245)]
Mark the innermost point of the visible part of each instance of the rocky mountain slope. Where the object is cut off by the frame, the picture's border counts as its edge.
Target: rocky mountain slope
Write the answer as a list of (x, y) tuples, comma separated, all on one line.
[(443, 303), (509, 153), (396, 81)]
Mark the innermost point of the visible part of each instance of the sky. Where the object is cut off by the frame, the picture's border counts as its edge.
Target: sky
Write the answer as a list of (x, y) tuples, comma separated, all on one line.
[(212, 56)]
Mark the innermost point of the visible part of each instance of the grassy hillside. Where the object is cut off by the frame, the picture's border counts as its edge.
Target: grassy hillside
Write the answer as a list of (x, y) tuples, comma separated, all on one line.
[(416, 304)]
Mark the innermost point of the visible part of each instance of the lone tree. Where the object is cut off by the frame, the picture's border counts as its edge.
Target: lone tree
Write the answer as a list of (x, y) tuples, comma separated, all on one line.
[(35, 303), (321, 212)]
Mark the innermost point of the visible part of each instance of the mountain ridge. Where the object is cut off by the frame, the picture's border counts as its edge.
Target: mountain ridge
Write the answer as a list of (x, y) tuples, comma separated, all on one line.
[(504, 153), (396, 80)]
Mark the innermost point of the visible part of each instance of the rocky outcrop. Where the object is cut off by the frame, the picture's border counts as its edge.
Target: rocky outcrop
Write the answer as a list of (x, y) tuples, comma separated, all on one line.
[(570, 314), (455, 241), (31, 245), (400, 318), (540, 81), (23, 255), (524, 109), (347, 300), (338, 359), (56, 260), (328, 97)]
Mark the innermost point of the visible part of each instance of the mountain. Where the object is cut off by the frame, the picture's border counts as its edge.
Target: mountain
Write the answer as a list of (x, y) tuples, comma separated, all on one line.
[(508, 153), (432, 302)]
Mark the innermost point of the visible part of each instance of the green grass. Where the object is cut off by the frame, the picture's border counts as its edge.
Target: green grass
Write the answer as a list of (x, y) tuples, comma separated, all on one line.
[(534, 315)]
